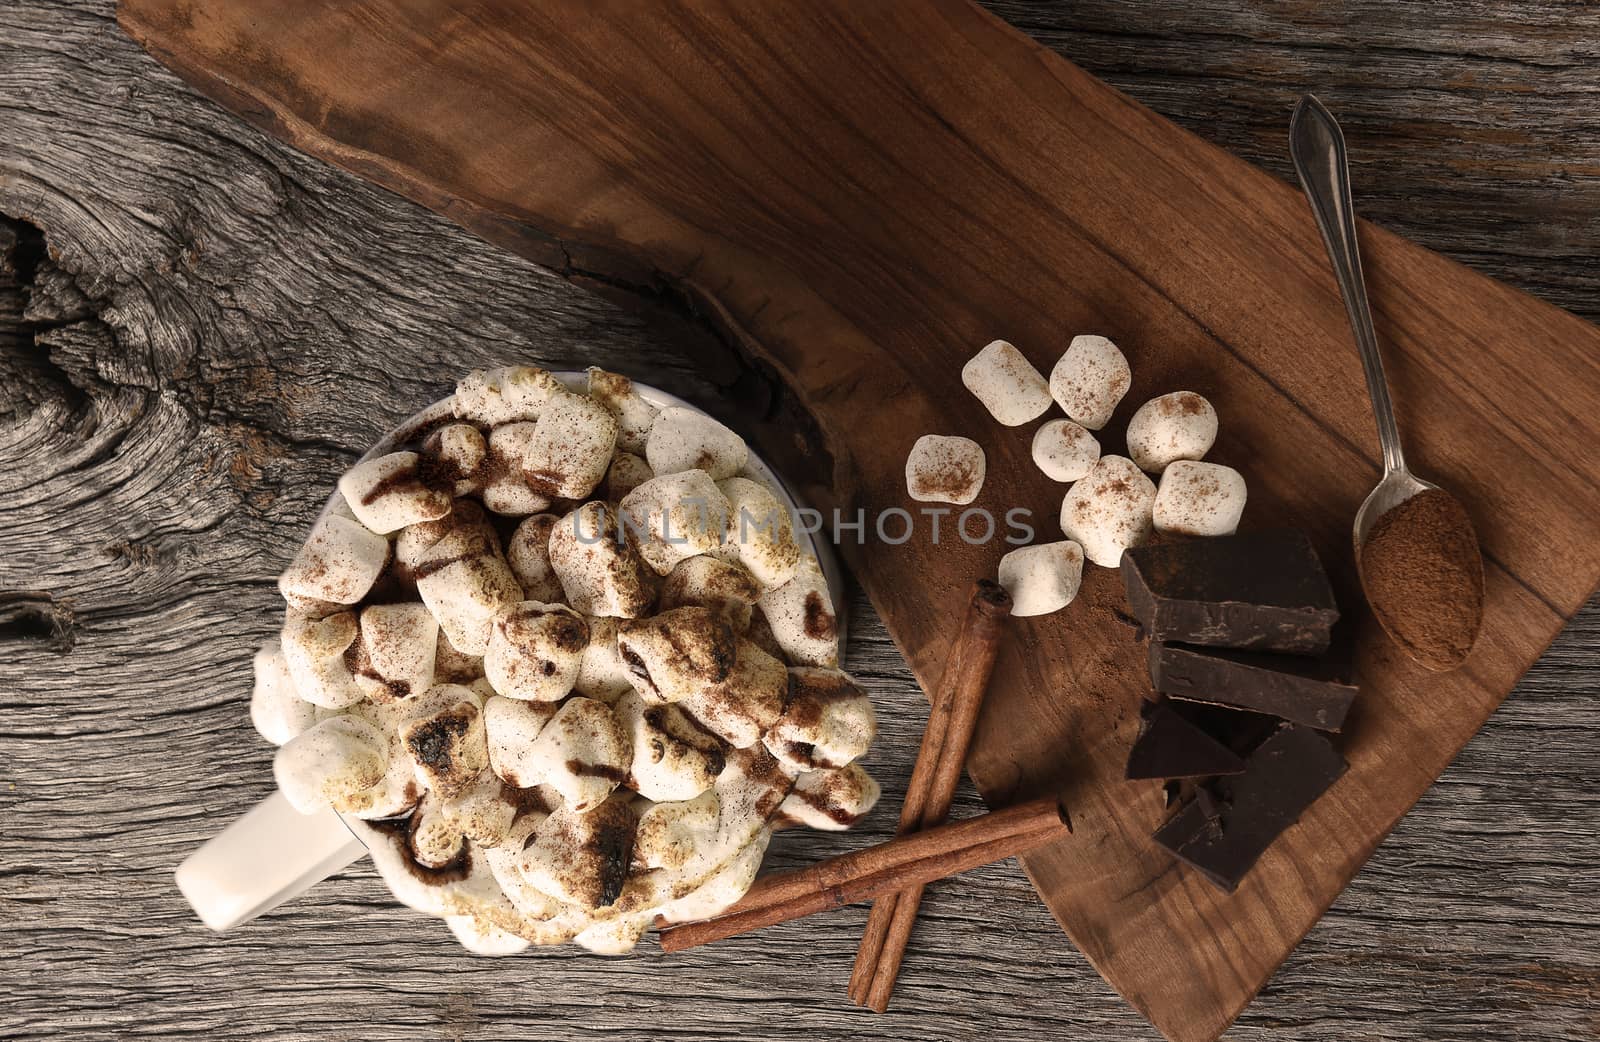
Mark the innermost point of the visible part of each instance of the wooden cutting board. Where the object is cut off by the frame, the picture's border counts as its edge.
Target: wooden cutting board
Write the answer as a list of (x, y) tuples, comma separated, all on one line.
[(860, 195)]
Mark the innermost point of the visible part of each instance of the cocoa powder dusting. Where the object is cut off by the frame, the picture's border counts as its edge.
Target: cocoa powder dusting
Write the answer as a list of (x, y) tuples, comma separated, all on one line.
[(1423, 576)]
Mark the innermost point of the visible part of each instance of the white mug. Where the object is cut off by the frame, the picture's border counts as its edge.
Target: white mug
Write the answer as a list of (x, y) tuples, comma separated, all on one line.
[(274, 853)]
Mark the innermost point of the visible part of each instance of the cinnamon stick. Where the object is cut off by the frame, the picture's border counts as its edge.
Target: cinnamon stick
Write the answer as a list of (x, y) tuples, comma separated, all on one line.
[(901, 862), (934, 779)]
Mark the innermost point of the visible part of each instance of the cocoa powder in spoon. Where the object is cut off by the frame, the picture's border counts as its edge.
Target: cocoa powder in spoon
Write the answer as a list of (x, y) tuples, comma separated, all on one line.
[(1423, 576)]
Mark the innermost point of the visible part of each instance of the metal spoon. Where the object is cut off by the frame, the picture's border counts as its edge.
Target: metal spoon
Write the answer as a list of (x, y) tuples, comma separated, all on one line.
[(1317, 147)]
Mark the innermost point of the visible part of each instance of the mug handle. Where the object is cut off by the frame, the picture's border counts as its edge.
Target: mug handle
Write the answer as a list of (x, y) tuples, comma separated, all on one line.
[(271, 854)]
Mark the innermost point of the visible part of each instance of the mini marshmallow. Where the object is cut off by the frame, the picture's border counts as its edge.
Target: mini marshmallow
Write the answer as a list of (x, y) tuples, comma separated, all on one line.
[(485, 939), (829, 800), (760, 531), (673, 757), (434, 837), (276, 709), (570, 448), (582, 859), (395, 651), (448, 749), (722, 889), (535, 650), (1204, 499), (339, 562), (943, 469), (465, 581), (387, 493), (1064, 451), (313, 651), (1108, 510), (827, 721), (626, 473), (414, 541), (677, 653), (670, 835), (684, 439), (455, 455), (1181, 425), (495, 396), (483, 811), (602, 673), (634, 415), (329, 763), (801, 618), (505, 487), (528, 553), (759, 633), (510, 728), (1089, 380), (454, 667), (709, 582), (741, 707), (675, 516), (1007, 384), (582, 753), (600, 570), (1043, 578)]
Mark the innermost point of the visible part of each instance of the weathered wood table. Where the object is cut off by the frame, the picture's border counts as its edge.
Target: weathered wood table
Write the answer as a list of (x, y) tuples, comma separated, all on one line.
[(199, 327)]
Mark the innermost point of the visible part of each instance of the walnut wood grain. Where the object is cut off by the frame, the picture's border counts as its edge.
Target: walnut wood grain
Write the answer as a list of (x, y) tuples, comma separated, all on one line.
[(222, 323)]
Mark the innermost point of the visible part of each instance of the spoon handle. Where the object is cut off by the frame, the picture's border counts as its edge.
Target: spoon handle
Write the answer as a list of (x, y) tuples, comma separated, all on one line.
[(1316, 145)]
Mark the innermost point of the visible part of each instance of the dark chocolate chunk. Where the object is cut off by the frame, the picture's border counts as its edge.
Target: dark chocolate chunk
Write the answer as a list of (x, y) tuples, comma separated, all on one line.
[(1264, 591), (1315, 692), (1283, 777), (1171, 746)]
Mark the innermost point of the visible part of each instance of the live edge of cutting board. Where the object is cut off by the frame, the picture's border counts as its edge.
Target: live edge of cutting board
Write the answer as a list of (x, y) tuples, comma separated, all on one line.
[(862, 195)]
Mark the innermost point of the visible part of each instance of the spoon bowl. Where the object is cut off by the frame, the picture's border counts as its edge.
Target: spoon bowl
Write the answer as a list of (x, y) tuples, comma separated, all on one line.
[(1396, 487)]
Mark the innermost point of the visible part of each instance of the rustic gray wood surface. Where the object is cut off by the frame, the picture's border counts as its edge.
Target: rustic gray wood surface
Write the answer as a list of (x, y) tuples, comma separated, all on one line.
[(199, 328)]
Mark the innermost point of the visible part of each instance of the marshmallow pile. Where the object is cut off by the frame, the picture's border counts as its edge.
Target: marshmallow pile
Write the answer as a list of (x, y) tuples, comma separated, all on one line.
[(564, 667), (1112, 503)]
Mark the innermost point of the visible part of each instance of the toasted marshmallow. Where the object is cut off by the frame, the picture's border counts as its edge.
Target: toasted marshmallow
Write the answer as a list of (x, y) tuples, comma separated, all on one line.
[(634, 415), (740, 708), (454, 456), (683, 439), (582, 859), (722, 889), (570, 448), (1007, 384), (414, 541), (435, 838), (600, 570), (582, 753), (829, 800), (670, 835), (276, 708), (1199, 499), (760, 531), (339, 562), (675, 516), (505, 486), (313, 651), (1181, 425), (465, 581), (626, 473), (535, 650), (673, 757), (1089, 380), (801, 617), (677, 653), (528, 553), (710, 582), (454, 667), (329, 763), (1064, 451), (943, 469), (482, 938), (1108, 510), (616, 936), (1043, 578), (395, 652), (482, 811), (602, 674), (387, 493), (759, 633), (827, 721), (510, 727), (495, 396), (448, 749)]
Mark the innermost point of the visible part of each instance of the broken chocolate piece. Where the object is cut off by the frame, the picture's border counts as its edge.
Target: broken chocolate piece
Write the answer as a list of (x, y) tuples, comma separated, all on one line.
[(1283, 777), (1171, 746), (1264, 591), (1315, 692)]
